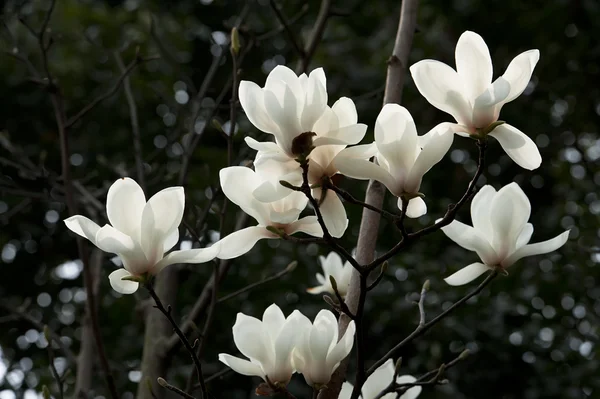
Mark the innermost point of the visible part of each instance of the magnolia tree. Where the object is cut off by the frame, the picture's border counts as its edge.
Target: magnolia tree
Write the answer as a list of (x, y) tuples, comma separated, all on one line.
[(288, 190)]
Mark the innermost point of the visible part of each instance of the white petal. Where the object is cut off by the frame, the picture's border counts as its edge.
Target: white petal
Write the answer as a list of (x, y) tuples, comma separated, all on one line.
[(122, 286), (161, 215), (238, 183), (518, 146), (364, 170), (519, 71), (252, 340), (315, 102), (197, 255), (525, 235), (510, 211), (125, 202), (171, 240), (471, 239), (346, 392), (351, 134), (284, 345), (320, 289), (416, 207), (480, 210), (282, 74), (268, 148), (241, 366), (467, 274), (443, 88), (379, 380), (273, 320), (396, 136), (308, 224), (240, 242), (485, 109), (345, 110), (438, 144), (342, 348), (112, 240), (284, 114), (253, 102), (473, 63), (83, 226), (334, 213), (538, 248), (410, 393)]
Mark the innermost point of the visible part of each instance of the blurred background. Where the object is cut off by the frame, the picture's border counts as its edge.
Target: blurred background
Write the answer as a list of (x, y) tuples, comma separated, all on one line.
[(533, 334)]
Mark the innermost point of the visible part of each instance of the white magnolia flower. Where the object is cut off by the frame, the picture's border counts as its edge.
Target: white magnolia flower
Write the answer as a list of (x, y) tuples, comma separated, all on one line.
[(318, 353), (294, 109), (238, 184), (140, 232), (500, 232), (403, 157), (469, 95), (335, 121), (332, 266), (378, 381), (268, 344)]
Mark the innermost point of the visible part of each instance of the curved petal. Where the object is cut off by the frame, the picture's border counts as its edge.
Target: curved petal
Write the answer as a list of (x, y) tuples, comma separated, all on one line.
[(273, 320), (411, 393), (518, 146), (480, 210), (396, 136), (351, 134), (238, 183), (284, 113), (125, 203), (519, 71), (252, 100), (315, 102), (308, 224), (112, 240), (161, 215), (242, 241), (537, 249), (485, 109), (282, 74), (346, 392), (171, 240), (467, 274), (345, 110), (436, 148), (443, 88), (241, 366), (333, 211), (416, 207), (122, 286), (525, 235), (268, 149), (284, 344), (83, 226), (473, 63), (379, 380), (510, 211), (252, 340), (470, 238), (320, 289), (364, 170), (342, 348), (197, 255)]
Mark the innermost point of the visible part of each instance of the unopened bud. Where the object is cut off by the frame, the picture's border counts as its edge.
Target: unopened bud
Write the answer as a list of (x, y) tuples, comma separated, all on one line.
[(235, 41), (398, 365), (162, 382), (333, 283), (287, 184), (217, 125), (47, 334), (46, 392), (426, 285), (291, 266), (464, 354)]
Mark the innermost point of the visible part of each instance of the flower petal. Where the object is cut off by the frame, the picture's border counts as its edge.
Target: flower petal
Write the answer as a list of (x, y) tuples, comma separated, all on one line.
[(83, 226), (480, 210), (518, 146), (437, 145), (252, 100), (284, 113), (315, 102), (510, 211), (519, 71), (308, 224), (122, 286), (525, 235), (252, 340), (473, 63), (241, 366), (197, 255), (467, 274), (125, 203), (416, 207), (538, 248), (161, 215), (396, 137), (342, 348), (471, 239), (333, 211), (171, 240), (242, 241), (238, 183), (364, 170), (379, 380), (410, 393), (485, 106), (346, 392), (112, 240), (273, 320), (443, 88)]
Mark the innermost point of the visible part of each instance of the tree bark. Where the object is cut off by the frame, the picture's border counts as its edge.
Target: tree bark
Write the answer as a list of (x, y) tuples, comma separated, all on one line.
[(369, 224)]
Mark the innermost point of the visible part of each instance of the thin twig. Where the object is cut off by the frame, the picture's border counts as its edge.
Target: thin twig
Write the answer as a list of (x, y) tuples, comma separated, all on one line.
[(315, 36), (423, 328), (53, 370), (288, 30), (351, 199), (163, 383), (167, 312)]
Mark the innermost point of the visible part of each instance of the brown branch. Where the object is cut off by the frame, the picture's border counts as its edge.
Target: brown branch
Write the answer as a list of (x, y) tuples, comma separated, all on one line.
[(422, 328)]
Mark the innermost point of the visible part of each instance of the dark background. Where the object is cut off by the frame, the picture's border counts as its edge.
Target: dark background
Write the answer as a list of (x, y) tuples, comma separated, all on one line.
[(534, 334)]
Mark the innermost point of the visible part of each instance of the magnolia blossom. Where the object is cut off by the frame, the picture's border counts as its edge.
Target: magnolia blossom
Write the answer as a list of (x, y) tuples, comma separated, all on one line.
[(378, 381), (238, 184), (403, 157), (318, 353), (500, 232), (294, 109), (336, 119), (268, 344), (140, 232), (470, 96), (333, 267)]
